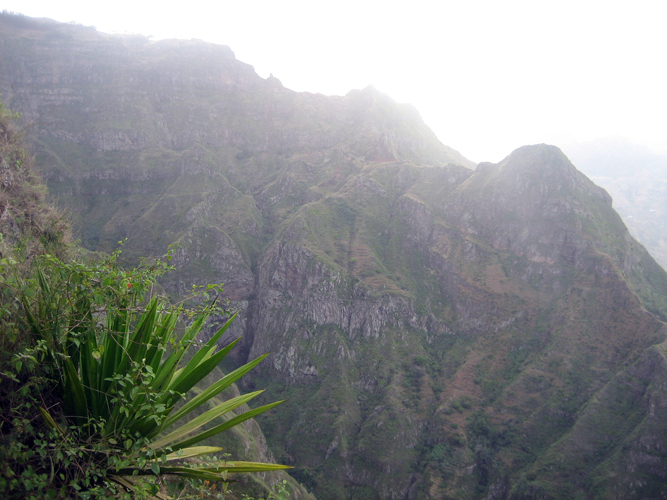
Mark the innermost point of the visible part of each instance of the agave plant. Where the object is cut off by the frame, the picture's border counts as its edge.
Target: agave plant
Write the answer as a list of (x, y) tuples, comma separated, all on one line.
[(123, 378)]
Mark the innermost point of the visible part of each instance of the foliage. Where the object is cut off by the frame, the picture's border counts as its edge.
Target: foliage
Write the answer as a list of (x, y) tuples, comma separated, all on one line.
[(106, 344)]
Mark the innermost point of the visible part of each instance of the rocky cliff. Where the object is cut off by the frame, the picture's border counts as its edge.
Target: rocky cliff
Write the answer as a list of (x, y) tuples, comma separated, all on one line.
[(440, 332)]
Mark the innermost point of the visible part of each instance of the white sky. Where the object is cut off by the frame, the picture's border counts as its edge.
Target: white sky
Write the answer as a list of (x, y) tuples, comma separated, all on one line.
[(486, 76)]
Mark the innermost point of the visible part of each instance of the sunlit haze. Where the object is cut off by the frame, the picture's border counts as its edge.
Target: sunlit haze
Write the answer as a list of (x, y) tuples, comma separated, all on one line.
[(486, 76)]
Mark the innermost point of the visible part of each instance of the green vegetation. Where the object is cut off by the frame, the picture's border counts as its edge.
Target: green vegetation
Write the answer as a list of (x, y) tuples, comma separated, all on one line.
[(117, 367), (96, 365)]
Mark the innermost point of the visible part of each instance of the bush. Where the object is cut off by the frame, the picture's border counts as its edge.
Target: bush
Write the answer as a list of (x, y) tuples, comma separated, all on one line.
[(98, 375)]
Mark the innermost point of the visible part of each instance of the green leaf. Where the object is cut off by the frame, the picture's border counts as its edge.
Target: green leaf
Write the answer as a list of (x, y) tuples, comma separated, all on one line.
[(139, 341), (117, 332), (74, 395), (225, 426), (167, 378), (191, 472), (213, 390), (112, 369), (89, 367), (238, 467), (31, 319), (187, 381), (203, 419), (192, 452), (50, 421), (206, 350), (161, 336), (43, 283), (166, 371)]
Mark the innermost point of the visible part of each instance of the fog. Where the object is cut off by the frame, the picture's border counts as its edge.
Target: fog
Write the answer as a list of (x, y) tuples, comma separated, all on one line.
[(486, 76)]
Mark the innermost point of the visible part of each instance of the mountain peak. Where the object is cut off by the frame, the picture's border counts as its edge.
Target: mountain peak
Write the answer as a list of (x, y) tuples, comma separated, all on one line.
[(517, 201), (540, 167), (540, 159), (542, 150)]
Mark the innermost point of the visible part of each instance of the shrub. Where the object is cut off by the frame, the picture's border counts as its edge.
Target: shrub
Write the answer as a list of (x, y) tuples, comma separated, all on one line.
[(106, 373)]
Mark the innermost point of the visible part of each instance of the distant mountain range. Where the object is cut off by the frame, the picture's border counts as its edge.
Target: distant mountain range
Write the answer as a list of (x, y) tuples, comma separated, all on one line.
[(441, 330)]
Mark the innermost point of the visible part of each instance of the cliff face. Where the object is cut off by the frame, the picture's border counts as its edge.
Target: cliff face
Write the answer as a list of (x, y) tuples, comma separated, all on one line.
[(28, 226), (440, 332), (511, 306)]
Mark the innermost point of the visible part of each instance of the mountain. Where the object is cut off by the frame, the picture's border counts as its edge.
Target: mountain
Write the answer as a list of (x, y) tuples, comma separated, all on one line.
[(441, 330), (636, 178), (28, 225)]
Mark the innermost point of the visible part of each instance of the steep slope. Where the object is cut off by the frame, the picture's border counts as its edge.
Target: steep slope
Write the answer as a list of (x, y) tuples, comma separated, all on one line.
[(29, 228), (190, 106), (510, 304), (179, 143), (440, 332), (636, 179), (28, 225)]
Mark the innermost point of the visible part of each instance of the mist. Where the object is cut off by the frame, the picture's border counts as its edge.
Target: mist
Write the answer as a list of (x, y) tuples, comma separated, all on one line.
[(486, 77)]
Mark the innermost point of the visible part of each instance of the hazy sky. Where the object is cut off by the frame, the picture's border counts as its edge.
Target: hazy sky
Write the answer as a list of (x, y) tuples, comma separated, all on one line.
[(487, 76)]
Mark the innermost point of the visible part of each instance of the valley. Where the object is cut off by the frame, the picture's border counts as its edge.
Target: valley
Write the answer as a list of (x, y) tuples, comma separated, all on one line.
[(440, 329)]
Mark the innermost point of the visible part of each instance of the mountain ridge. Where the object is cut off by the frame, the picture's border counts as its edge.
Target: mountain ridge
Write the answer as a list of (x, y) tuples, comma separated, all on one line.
[(440, 332), (635, 177)]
